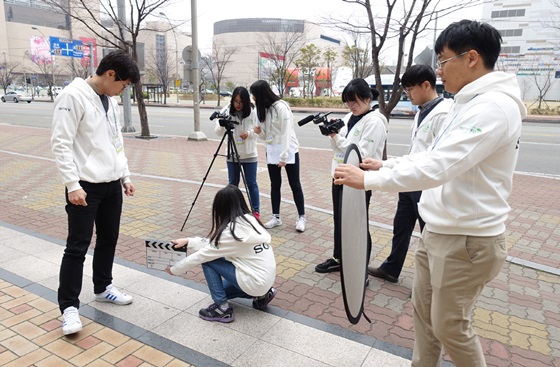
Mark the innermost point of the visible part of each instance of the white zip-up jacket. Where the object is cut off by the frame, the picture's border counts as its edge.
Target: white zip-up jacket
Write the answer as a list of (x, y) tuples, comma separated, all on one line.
[(369, 134), (87, 142), (246, 148), (423, 135), (278, 129), (253, 258), (467, 174)]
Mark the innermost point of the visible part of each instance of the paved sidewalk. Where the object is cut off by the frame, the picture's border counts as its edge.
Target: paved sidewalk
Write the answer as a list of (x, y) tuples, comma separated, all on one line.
[(517, 315)]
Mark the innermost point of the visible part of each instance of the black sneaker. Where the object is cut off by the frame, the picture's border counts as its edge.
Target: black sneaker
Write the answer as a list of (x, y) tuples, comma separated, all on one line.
[(215, 313), (260, 302), (328, 266)]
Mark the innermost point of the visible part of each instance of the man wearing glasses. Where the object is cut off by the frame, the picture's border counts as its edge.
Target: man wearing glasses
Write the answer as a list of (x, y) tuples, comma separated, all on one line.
[(419, 83), (466, 176), (88, 148)]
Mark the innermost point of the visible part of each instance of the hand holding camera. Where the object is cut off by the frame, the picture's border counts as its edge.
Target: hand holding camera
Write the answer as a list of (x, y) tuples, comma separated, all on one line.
[(327, 127), (224, 120)]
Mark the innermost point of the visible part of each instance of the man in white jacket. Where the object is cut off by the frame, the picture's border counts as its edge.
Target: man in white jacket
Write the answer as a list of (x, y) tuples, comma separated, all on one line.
[(419, 83), (88, 148), (467, 177)]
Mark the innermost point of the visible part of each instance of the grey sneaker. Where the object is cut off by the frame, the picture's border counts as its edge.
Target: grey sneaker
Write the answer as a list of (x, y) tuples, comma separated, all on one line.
[(71, 323), (274, 221)]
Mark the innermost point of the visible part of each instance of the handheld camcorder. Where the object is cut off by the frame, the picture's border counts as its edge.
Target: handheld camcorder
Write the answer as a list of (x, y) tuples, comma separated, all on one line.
[(224, 120), (327, 127)]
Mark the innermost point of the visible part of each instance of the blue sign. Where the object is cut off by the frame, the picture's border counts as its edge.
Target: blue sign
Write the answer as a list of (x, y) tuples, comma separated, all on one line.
[(66, 47)]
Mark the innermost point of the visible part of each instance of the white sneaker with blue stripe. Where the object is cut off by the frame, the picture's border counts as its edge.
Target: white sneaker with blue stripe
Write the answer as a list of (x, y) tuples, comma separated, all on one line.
[(113, 295)]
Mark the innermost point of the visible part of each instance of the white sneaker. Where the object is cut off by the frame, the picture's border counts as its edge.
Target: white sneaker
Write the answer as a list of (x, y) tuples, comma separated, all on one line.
[(71, 323), (113, 295), (300, 224), (273, 222)]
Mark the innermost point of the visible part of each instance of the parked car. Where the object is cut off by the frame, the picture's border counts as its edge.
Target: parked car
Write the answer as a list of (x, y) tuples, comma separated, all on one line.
[(225, 93), (16, 97)]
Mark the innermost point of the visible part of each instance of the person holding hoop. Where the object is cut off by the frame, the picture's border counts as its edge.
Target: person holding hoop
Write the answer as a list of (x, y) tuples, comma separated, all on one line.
[(366, 127), (241, 110)]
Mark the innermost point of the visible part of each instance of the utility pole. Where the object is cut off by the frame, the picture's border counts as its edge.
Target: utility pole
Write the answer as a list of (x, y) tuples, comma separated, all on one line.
[(91, 69), (434, 45), (176, 57), (127, 128), (197, 134)]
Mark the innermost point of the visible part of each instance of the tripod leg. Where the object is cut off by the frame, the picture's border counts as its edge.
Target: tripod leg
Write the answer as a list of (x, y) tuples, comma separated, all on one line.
[(235, 159), (204, 180)]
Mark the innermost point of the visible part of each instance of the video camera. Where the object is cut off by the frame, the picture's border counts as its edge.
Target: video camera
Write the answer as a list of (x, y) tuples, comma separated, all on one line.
[(327, 127), (224, 120)]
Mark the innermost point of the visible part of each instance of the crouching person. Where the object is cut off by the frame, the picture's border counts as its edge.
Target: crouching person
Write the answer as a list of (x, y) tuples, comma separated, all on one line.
[(236, 258)]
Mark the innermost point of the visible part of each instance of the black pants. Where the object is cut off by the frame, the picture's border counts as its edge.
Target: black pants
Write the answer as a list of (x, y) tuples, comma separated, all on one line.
[(336, 194), (104, 210), (275, 174), (403, 226)]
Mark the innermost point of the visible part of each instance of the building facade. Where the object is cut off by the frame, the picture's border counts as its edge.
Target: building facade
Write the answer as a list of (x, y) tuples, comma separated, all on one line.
[(531, 44), (251, 38), (26, 28)]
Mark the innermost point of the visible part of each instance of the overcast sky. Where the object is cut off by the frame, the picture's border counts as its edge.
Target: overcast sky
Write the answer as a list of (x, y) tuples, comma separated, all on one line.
[(211, 11)]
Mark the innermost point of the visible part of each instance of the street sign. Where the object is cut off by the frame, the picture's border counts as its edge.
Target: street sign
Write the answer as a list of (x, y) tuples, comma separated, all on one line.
[(66, 47)]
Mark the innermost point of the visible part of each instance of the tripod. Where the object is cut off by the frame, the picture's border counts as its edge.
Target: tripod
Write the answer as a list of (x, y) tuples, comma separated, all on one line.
[(231, 152)]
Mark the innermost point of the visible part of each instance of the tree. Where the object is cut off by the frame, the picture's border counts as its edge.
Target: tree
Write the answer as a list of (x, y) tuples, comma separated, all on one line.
[(328, 57), (543, 79), (357, 55), (48, 68), (281, 49), (217, 64), (307, 63), (108, 26), (554, 20), (161, 66), (7, 74), (401, 25)]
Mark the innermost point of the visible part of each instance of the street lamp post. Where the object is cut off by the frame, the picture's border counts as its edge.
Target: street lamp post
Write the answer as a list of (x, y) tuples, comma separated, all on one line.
[(176, 55), (52, 66)]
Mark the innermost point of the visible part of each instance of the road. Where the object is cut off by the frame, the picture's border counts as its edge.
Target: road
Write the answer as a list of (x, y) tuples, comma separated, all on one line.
[(540, 141)]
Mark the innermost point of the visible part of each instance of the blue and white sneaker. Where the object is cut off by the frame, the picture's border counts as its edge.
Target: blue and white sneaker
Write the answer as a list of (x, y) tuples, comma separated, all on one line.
[(71, 323), (113, 295)]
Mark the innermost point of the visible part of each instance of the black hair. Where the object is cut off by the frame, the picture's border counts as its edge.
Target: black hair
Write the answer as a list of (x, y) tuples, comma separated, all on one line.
[(264, 97), (229, 205), (359, 89), (468, 35), (418, 74), (243, 93), (123, 65)]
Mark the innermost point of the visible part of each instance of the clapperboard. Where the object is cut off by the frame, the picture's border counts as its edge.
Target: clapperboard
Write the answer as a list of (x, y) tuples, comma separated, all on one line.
[(161, 254)]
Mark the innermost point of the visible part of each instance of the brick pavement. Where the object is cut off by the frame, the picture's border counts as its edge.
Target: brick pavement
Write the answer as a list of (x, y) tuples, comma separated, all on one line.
[(517, 316)]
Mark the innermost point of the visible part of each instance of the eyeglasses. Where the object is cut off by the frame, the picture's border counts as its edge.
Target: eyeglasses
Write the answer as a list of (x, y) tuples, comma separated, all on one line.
[(238, 102), (122, 81), (439, 63), (408, 90)]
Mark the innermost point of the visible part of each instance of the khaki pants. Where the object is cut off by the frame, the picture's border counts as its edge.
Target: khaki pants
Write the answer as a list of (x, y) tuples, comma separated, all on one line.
[(451, 271)]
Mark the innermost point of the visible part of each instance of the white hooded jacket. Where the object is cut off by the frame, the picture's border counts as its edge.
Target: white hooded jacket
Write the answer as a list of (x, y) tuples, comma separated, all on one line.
[(87, 142), (467, 173), (253, 258)]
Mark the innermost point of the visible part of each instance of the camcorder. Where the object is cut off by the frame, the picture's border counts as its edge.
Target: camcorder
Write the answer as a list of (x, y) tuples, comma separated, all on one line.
[(326, 126), (224, 120)]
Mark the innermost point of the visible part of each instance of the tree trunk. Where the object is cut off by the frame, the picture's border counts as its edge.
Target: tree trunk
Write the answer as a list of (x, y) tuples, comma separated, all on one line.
[(145, 128)]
